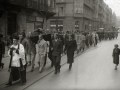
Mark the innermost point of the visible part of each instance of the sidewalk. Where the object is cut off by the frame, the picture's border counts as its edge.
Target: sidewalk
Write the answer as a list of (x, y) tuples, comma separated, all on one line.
[(34, 76)]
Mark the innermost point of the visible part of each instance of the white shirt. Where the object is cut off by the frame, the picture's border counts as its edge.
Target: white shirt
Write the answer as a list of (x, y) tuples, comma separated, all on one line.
[(15, 60)]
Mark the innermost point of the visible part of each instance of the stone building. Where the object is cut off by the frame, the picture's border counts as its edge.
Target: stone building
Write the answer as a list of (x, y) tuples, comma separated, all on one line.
[(28, 15), (80, 15)]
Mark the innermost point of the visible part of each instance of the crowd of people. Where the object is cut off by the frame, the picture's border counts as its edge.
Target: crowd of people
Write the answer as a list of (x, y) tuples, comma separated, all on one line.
[(24, 48)]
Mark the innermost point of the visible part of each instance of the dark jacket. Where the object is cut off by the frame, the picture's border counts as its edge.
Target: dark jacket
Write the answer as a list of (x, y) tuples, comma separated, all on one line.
[(70, 47), (57, 48), (2, 48), (116, 53)]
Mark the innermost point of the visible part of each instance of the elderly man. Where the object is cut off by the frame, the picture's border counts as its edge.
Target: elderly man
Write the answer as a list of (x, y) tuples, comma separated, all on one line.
[(42, 50)]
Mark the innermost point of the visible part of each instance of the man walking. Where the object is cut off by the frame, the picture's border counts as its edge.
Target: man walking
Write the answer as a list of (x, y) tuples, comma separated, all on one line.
[(57, 51), (30, 51), (42, 50)]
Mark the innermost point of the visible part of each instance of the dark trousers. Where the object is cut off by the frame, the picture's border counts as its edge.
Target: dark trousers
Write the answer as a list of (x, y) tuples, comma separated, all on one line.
[(96, 41), (15, 74), (50, 57), (56, 62), (45, 59), (0, 60), (87, 43)]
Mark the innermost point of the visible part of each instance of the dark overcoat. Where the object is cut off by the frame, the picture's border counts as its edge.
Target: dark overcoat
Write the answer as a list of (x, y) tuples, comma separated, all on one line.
[(70, 47), (116, 52), (57, 48), (2, 47)]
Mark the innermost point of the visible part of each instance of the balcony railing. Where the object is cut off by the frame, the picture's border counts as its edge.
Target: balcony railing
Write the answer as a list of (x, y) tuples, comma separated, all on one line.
[(28, 4)]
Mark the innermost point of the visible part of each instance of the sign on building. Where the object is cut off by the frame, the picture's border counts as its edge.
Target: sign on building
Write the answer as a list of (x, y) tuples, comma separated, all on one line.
[(78, 6)]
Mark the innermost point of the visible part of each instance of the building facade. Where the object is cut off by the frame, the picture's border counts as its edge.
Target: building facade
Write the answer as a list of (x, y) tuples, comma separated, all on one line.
[(28, 15), (83, 15)]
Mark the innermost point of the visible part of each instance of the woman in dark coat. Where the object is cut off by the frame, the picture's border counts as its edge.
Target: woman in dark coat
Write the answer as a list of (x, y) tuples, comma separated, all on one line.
[(70, 47), (116, 52)]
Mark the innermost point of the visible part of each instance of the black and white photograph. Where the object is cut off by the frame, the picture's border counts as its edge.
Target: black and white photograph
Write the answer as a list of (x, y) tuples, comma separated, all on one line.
[(59, 44)]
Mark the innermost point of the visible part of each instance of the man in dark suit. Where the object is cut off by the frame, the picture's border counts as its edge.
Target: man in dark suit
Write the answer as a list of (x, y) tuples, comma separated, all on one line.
[(2, 51), (57, 50)]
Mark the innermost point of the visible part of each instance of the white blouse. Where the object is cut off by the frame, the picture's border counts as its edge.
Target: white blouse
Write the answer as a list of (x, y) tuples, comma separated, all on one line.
[(15, 60)]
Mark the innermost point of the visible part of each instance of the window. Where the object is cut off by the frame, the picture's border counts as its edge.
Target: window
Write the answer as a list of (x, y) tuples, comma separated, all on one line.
[(61, 11), (49, 2), (56, 25), (77, 25)]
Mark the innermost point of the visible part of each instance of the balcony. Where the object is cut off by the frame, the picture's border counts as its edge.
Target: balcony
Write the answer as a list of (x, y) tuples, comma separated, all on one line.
[(30, 4), (15, 2)]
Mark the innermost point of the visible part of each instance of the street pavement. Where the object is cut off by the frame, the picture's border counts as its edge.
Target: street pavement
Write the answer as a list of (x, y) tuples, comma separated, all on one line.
[(93, 69)]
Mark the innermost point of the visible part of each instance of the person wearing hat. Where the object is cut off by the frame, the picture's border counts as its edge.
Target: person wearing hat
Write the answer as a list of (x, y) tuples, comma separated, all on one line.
[(57, 51), (17, 62), (116, 53), (2, 51)]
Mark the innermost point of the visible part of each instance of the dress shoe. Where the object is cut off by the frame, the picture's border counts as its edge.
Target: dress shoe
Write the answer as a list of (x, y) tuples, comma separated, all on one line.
[(41, 71), (32, 69), (55, 72), (2, 65), (29, 63), (70, 66), (51, 64), (9, 84), (58, 70), (115, 67)]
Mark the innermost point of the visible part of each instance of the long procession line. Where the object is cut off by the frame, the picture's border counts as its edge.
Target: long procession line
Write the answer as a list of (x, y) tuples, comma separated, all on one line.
[(53, 70)]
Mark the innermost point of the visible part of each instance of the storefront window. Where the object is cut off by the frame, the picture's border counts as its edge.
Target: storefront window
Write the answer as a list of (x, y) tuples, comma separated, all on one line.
[(77, 25), (56, 25)]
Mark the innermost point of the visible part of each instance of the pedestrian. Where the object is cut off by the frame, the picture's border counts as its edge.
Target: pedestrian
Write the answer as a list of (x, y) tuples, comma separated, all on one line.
[(30, 51), (42, 51), (17, 65), (77, 38), (96, 38), (57, 51), (66, 36), (8, 42), (24, 34), (87, 38), (2, 51), (116, 53), (22, 40), (83, 42), (70, 48)]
